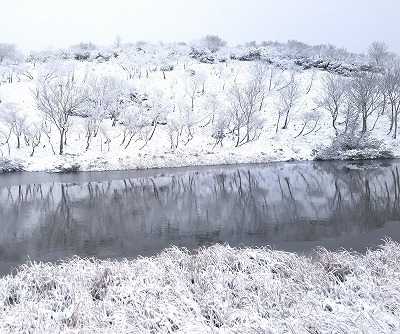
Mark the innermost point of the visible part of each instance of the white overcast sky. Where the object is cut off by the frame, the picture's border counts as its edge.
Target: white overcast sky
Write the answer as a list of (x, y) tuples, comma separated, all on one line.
[(349, 23)]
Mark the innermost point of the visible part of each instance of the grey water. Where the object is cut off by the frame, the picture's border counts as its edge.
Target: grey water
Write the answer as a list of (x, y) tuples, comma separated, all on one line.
[(289, 206)]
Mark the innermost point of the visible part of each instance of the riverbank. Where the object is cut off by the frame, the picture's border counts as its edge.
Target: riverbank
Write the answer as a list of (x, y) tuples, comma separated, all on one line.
[(216, 290), (199, 152)]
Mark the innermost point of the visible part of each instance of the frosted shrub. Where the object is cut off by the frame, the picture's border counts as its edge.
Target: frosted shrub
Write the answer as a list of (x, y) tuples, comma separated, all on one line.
[(354, 145), (10, 166)]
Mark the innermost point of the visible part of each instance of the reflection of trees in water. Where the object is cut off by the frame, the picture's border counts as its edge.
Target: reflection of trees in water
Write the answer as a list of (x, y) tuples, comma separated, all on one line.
[(368, 197), (296, 202)]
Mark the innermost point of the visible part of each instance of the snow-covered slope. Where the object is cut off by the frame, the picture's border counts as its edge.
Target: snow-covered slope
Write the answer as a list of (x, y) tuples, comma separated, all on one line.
[(185, 134)]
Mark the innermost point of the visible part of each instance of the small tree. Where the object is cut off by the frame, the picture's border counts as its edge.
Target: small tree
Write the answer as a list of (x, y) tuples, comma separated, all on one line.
[(213, 42), (34, 133), (365, 96), (157, 107), (16, 122), (133, 119), (391, 90), (274, 79), (246, 104), (333, 96), (9, 52), (378, 52), (118, 41), (107, 97), (175, 128), (312, 116), (194, 86), (59, 98), (92, 125), (220, 126), (211, 106), (288, 98), (185, 118)]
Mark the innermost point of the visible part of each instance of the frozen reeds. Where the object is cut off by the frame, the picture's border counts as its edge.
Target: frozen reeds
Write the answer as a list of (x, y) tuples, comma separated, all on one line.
[(214, 290)]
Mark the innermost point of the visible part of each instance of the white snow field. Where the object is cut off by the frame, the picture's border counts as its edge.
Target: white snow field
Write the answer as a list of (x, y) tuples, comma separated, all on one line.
[(191, 100), (214, 290)]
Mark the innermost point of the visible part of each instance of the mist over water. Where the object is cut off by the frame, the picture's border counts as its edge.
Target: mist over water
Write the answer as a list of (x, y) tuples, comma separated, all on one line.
[(289, 206)]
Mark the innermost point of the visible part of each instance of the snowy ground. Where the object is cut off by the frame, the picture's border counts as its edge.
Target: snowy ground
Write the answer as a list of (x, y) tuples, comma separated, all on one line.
[(157, 154), (216, 290), (200, 151)]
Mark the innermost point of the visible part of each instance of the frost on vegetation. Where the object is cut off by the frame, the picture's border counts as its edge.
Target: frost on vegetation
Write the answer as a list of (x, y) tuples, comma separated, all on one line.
[(68, 168), (355, 147), (10, 166), (215, 290)]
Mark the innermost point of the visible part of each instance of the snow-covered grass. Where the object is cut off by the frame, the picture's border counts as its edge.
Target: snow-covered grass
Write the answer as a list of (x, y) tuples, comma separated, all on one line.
[(215, 290)]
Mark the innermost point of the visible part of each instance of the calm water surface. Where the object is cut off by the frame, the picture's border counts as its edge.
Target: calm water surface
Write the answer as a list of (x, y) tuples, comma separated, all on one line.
[(289, 206)]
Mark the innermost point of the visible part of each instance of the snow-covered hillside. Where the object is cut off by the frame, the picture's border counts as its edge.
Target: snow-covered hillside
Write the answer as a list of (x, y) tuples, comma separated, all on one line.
[(145, 105)]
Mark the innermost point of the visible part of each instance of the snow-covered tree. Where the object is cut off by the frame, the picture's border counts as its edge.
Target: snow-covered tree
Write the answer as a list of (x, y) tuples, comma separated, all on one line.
[(194, 86), (333, 97), (186, 116), (247, 102), (365, 96), (391, 90), (310, 117), (60, 97), (133, 119), (213, 42), (220, 125), (33, 134), (378, 52), (108, 96), (15, 121), (289, 96), (141, 118), (9, 53)]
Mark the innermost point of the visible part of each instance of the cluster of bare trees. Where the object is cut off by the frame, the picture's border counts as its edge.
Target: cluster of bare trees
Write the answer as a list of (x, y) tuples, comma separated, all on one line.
[(236, 110), (231, 107), (247, 102), (362, 100)]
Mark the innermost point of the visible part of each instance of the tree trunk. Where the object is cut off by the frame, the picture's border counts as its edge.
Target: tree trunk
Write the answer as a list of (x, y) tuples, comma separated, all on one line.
[(238, 138), (334, 118), (248, 131), (391, 120), (129, 141), (62, 135), (277, 123), (364, 123), (302, 130), (286, 120), (89, 136)]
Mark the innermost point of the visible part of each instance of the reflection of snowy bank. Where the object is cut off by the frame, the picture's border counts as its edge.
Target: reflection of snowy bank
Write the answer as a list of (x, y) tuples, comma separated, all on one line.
[(290, 206), (218, 289)]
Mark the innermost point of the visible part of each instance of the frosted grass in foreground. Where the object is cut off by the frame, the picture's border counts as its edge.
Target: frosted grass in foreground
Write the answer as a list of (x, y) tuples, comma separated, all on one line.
[(216, 290)]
